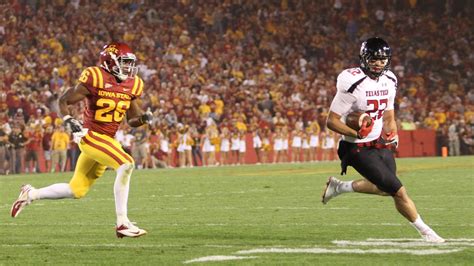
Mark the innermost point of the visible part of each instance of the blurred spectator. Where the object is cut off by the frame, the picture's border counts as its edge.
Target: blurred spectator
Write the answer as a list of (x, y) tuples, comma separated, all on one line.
[(125, 138), (196, 145), (17, 140), (59, 145), (140, 146), (408, 124), (73, 154), (454, 142), (46, 144), (33, 145), (3, 150)]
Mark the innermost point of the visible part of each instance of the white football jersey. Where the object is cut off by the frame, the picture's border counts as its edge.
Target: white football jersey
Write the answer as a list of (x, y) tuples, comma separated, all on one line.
[(358, 92)]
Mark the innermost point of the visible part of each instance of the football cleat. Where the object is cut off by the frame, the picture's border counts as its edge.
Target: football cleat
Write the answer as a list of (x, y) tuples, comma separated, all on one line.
[(129, 230), (432, 237), (22, 200), (331, 190)]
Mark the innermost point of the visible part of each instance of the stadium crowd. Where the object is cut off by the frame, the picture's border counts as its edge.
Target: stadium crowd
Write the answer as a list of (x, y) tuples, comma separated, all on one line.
[(223, 77)]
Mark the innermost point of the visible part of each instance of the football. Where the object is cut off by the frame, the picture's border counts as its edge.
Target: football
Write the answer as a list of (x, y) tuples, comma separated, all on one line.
[(354, 120)]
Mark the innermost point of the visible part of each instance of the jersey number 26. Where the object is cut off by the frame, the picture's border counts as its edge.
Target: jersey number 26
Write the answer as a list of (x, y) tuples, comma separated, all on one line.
[(111, 111)]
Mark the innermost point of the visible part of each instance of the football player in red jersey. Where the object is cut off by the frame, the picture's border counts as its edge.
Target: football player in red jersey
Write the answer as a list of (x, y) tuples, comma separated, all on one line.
[(110, 91)]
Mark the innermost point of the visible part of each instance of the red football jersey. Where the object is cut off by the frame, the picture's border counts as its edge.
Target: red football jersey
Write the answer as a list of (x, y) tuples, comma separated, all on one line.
[(108, 100)]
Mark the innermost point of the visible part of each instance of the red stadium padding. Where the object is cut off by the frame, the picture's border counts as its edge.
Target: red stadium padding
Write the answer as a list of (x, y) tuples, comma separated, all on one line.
[(417, 143)]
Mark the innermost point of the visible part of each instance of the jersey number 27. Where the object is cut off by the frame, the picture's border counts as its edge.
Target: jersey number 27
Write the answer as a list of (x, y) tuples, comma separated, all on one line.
[(376, 107)]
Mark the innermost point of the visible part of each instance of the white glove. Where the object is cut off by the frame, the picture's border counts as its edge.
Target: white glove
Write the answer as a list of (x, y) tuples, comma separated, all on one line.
[(77, 136), (147, 117), (72, 123)]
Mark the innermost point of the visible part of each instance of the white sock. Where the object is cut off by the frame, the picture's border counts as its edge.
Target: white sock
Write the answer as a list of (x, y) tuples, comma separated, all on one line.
[(345, 186), (420, 226), (55, 191), (121, 188)]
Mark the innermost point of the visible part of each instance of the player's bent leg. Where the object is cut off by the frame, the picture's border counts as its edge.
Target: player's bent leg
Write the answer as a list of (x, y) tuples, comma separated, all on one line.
[(29, 194), (82, 180), (407, 208), (365, 186), (108, 152)]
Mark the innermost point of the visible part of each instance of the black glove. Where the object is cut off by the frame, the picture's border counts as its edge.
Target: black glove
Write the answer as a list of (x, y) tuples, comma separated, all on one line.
[(146, 118), (72, 123)]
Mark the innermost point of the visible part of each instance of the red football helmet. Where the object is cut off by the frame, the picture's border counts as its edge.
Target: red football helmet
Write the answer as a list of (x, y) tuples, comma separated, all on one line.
[(119, 60)]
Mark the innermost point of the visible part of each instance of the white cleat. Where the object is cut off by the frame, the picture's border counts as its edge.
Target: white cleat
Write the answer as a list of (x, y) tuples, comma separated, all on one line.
[(432, 237), (129, 230), (331, 190), (22, 200)]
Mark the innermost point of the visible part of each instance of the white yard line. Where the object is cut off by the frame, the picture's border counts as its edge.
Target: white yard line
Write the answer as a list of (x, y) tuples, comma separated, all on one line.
[(219, 258), (348, 251), (417, 239), (419, 243), (407, 246)]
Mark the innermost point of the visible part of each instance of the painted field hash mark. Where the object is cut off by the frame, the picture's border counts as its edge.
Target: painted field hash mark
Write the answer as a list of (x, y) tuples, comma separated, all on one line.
[(408, 246), (219, 258), (317, 250)]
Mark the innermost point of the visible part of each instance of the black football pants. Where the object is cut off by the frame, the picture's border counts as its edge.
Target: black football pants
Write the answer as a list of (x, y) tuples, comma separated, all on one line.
[(375, 164)]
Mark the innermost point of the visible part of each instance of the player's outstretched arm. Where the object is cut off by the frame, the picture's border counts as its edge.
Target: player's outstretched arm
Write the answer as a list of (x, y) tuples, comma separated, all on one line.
[(136, 117), (72, 96)]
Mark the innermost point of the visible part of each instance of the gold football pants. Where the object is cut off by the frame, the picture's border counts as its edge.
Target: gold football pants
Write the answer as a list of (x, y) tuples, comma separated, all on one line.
[(98, 151)]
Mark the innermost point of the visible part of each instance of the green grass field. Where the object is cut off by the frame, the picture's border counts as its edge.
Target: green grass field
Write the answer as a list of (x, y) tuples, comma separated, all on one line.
[(267, 214)]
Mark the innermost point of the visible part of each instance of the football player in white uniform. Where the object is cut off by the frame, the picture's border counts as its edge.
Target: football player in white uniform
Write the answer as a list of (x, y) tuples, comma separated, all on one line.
[(371, 88)]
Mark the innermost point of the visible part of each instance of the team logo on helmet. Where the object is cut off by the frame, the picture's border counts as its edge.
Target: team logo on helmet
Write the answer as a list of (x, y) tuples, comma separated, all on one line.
[(119, 60)]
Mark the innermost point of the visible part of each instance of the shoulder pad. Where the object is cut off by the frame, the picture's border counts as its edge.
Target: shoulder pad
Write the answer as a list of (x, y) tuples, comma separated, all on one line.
[(137, 87), (348, 79), (92, 77), (390, 75)]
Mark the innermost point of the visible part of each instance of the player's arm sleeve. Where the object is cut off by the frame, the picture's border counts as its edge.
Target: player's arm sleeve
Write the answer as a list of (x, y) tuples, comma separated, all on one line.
[(343, 101), (91, 78), (137, 88)]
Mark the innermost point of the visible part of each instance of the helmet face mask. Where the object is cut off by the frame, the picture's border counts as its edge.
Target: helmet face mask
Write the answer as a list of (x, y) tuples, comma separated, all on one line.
[(119, 60), (375, 56), (377, 66), (124, 67)]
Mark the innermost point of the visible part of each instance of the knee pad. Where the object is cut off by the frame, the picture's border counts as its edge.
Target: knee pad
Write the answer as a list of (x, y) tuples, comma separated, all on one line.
[(128, 167), (124, 172), (79, 190)]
